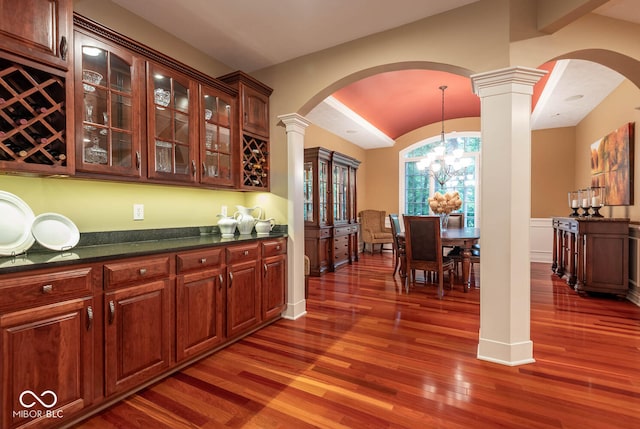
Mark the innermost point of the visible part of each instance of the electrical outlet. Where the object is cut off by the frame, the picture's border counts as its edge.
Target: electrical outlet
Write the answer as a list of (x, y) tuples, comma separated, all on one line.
[(138, 212), (223, 210)]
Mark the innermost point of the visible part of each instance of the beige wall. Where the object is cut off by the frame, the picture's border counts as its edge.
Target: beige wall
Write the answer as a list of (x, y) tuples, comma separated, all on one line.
[(616, 110), (552, 171)]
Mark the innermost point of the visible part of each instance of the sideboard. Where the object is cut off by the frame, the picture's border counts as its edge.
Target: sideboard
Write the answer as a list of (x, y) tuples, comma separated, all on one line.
[(593, 253)]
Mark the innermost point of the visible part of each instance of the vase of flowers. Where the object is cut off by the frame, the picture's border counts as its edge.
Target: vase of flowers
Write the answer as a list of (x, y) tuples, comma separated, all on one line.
[(443, 205)]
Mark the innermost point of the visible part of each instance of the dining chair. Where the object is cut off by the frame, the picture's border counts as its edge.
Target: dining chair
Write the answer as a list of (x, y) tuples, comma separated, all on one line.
[(456, 220), (423, 249), (456, 257), (398, 247)]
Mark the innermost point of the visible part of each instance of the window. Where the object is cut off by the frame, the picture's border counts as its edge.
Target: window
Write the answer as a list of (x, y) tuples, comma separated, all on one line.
[(417, 186)]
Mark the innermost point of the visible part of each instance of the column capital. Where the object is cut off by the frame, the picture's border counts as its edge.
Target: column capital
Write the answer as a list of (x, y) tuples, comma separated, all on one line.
[(522, 78), (294, 122)]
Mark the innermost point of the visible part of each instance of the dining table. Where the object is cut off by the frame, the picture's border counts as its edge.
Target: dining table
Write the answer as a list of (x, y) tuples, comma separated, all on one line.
[(464, 238)]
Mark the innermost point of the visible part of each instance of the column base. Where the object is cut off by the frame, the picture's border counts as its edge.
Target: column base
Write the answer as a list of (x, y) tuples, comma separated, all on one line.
[(295, 310), (506, 354)]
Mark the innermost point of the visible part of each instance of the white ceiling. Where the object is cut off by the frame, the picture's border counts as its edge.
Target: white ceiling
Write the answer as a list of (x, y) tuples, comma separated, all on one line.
[(250, 35)]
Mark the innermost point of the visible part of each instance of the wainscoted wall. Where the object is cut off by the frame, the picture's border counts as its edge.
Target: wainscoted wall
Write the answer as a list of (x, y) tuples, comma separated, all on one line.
[(541, 240), (634, 263)]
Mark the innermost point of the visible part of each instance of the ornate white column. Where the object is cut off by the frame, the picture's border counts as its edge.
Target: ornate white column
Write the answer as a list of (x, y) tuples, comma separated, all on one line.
[(295, 126), (505, 97)]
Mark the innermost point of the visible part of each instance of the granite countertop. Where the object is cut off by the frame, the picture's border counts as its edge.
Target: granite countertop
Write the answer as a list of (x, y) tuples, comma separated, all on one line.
[(96, 247)]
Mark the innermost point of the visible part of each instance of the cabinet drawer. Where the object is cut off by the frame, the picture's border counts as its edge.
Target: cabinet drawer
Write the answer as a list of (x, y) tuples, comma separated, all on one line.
[(45, 288), (341, 248), (324, 233), (247, 252), (273, 248), (341, 245), (210, 258), (343, 230), (135, 271)]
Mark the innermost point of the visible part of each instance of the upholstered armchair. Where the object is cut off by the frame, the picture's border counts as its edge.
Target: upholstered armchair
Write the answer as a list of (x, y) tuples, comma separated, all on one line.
[(373, 229)]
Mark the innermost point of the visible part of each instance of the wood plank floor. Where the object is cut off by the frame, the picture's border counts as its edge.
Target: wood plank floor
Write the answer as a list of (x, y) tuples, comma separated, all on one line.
[(370, 355)]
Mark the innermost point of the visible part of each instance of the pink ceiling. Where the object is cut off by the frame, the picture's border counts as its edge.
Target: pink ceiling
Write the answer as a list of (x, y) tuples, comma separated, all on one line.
[(401, 101)]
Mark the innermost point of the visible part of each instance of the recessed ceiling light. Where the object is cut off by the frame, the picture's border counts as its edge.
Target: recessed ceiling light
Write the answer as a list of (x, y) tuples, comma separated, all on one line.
[(574, 97)]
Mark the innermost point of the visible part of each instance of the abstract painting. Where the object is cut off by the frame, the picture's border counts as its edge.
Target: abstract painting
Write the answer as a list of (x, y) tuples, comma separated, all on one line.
[(612, 165)]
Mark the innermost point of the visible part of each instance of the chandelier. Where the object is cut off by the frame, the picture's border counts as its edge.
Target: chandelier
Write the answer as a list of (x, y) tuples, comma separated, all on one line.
[(441, 165)]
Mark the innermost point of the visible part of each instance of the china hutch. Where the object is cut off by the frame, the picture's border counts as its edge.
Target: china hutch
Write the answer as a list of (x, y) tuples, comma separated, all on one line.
[(330, 213)]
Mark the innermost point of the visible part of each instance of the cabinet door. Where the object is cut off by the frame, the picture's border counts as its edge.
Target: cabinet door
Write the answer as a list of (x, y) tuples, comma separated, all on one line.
[(199, 313), (137, 334), (217, 138), (243, 297), (255, 111), (109, 95), (340, 195), (273, 286), (47, 362), (172, 128), (37, 29)]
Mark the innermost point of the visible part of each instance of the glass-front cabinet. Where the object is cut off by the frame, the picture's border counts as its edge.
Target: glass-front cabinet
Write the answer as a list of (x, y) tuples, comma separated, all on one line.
[(172, 136), (316, 186), (109, 97), (331, 226), (217, 135), (340, 186)]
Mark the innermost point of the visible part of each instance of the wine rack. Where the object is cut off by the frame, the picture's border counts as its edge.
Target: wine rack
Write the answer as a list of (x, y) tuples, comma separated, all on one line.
[(32, 119), (255, 164)]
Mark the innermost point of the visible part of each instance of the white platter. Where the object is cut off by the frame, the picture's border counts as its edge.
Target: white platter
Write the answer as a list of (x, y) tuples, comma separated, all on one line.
[(55, 231), (16, 218)]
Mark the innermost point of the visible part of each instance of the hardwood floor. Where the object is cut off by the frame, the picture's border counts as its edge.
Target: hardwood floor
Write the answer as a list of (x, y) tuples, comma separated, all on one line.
[(370, 355)]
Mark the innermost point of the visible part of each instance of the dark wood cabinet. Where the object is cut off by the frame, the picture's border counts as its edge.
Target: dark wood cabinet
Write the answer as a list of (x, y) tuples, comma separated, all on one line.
[(138, 320), (36, 135), (171, 124), (92, 333), (274, 278), (593, 253), (37, 29), (331, 224), (243, 288), (218, 140), (199, 295), (109, 90), (48, 323), (253, 125)]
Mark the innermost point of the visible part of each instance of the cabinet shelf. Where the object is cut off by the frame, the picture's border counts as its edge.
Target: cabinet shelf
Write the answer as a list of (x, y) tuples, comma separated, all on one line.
[(255, 165), (32, 118)]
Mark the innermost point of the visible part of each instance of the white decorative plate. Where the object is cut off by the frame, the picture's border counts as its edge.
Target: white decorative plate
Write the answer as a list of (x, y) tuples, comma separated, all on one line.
[(16, 218), (55, 231)]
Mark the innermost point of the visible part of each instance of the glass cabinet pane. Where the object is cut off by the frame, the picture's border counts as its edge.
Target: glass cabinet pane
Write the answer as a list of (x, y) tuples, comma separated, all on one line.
[(107, 110), (171, 141), (308, 192), (216, 140), (323, 192)]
